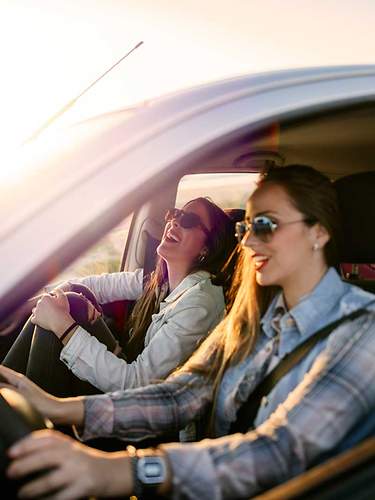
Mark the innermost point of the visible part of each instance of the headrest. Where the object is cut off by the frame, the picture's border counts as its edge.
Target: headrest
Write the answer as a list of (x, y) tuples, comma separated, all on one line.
[(235, 214), (356, 195)]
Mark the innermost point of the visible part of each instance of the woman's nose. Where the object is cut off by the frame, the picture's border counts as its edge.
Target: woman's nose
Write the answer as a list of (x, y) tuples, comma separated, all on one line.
[(175, 222), (249, 240)]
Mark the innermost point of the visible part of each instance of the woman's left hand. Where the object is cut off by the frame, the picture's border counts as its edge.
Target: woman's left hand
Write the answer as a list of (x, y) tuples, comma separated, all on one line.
[(52, 312), (68, 469)]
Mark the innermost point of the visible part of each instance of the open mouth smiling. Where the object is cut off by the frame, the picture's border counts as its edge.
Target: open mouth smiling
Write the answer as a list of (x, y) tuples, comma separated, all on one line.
[(260, 261), (171, 238)]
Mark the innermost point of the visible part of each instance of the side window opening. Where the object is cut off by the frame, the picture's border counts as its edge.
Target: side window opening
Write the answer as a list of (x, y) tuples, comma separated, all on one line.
[(229, 190), (103, 257)]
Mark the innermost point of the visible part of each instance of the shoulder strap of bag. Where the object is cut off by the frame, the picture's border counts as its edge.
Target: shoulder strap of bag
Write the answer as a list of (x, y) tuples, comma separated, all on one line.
[(248, 411)]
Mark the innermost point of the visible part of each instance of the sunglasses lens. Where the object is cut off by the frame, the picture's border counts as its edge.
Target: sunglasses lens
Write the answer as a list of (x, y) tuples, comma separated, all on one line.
[(263, 226), (189, 220)]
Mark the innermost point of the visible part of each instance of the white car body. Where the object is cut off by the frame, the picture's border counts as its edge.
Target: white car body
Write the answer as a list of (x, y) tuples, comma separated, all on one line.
[(105, 168)]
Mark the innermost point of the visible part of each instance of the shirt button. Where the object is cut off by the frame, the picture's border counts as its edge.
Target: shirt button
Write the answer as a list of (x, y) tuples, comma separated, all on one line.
[(290, 322)]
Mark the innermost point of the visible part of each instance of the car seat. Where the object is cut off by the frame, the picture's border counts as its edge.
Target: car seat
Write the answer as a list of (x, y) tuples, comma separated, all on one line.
[(356, 196)]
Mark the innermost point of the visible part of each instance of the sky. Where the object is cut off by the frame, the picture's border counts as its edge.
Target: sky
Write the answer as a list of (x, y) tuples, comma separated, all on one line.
[(52, 49)]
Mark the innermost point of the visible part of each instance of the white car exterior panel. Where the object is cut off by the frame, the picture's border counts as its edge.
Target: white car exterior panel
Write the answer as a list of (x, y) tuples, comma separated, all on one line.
[(110, 173)]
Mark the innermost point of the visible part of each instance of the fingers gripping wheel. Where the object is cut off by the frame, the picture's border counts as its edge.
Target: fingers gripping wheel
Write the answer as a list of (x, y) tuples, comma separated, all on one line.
[(17, 419)]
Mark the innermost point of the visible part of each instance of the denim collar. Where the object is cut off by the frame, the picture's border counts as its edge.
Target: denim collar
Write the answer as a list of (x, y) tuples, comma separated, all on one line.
[(188, 282), (311, 308)]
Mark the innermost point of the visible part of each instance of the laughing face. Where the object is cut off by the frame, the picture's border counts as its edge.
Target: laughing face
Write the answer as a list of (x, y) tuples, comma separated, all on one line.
[(292, 254), (181, 245)]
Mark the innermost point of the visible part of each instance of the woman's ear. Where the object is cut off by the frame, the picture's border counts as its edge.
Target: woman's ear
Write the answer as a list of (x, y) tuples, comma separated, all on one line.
[(204, 252), (320, 235), (202, 255)]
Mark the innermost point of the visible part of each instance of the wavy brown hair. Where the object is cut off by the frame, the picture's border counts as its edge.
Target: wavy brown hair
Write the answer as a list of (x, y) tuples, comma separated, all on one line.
[(220, 246), (235, 337)]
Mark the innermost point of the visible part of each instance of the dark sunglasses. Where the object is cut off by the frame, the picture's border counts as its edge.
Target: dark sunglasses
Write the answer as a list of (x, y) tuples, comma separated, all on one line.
[(187, 220), (262, 227)]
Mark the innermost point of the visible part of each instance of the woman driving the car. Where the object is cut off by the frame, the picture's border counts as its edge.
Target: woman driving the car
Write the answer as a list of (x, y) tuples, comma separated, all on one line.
[(67, 341), (288, 290)]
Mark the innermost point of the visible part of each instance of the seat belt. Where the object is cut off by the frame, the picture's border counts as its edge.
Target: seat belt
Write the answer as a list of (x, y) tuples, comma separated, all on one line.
[(248, 411)]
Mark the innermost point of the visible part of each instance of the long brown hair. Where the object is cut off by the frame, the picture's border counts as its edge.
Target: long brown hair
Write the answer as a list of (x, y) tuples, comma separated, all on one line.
[(220, 245), (235, 337)]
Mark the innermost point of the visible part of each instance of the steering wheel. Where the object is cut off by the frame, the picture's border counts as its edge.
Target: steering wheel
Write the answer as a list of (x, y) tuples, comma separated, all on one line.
[(18, 418)]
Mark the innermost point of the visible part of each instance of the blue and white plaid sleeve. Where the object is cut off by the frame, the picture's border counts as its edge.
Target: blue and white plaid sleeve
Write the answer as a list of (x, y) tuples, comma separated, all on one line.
[(146, 412)]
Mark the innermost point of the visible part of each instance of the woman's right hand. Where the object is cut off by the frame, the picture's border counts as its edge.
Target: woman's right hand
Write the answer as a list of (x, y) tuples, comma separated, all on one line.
[(20, 315), (69, 469), (44, 402)]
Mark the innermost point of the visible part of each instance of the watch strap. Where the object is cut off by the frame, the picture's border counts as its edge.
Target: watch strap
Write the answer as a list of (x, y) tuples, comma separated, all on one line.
[(137, 485)]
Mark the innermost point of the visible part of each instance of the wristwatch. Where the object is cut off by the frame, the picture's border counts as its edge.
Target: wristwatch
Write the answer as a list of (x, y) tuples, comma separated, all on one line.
[(149, 471)]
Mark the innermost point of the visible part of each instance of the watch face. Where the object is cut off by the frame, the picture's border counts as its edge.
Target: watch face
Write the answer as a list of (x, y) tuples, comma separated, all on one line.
[(151, 470)]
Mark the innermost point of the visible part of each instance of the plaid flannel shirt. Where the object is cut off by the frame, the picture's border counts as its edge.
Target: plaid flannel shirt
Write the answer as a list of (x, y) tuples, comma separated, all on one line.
[(334, 394)]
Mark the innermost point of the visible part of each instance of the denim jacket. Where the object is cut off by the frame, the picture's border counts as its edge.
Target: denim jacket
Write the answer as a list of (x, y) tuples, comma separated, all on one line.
[(184, 319)]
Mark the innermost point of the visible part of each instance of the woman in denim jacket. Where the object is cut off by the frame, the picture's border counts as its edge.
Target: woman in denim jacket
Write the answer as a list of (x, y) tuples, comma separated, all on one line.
[(287, 289), (181, 302)]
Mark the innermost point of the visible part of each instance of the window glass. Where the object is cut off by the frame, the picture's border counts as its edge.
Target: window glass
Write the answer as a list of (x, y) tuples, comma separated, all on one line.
[(104, 257), (226, 190)]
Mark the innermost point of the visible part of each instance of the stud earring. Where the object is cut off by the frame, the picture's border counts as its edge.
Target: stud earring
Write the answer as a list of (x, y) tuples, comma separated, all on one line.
[(202, 256), (316, 246)]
